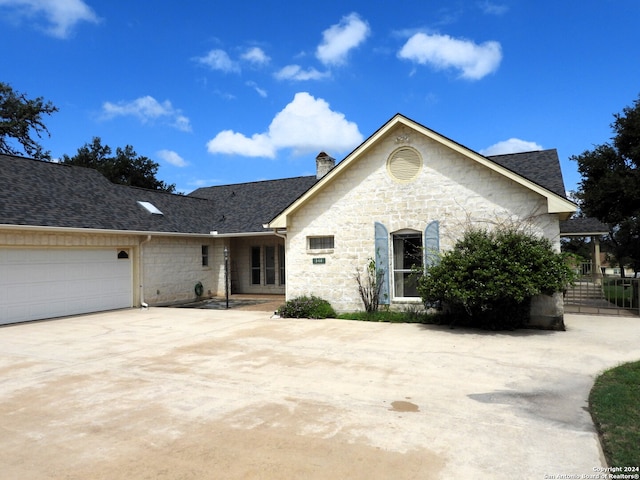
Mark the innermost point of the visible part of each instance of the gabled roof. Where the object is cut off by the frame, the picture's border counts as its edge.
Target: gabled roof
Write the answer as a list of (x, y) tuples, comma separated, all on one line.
[(540, 166), (246, 207), (584, 226), (506, 165), (45, 194)]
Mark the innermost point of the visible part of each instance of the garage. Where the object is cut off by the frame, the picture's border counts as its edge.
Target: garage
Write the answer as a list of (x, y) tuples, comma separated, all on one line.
[(47, 283)]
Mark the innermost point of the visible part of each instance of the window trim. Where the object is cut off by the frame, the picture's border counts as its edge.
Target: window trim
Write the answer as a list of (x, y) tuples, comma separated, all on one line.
[(406, 233), (322, 239), (204, 250)]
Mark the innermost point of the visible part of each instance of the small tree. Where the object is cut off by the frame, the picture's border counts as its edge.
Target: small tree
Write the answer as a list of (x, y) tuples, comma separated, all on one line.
[(489, 278), (370, 286)]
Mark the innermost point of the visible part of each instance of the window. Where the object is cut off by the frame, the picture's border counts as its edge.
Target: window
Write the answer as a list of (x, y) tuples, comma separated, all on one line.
[(205, 255), (150, 207), (320, 243), (123, 255), (281, 262), (270, 265), (407, 254), (255, 265)]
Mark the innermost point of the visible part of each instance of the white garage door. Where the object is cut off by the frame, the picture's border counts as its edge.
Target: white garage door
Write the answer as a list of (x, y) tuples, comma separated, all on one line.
[(37, 284)]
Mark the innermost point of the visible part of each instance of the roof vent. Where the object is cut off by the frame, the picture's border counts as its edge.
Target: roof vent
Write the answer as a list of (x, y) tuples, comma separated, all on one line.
[(150, 207), (404, 164)]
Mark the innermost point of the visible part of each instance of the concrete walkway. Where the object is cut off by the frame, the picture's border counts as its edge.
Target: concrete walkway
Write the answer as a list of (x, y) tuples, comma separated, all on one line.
[(193, 394)]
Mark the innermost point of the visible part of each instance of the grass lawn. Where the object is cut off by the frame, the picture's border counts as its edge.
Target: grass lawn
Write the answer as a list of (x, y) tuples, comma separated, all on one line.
[(391, 316), (620, 293), (615, 407)]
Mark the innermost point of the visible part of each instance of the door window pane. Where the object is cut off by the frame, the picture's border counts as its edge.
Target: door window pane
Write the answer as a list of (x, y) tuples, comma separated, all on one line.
[(270, 265), (255, 265)]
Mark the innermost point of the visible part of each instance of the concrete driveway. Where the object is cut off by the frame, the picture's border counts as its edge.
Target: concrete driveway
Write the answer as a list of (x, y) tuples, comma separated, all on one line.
[(193, 394)]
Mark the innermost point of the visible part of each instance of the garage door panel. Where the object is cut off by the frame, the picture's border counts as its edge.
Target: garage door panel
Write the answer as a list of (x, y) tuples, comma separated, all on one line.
[(40, 283)]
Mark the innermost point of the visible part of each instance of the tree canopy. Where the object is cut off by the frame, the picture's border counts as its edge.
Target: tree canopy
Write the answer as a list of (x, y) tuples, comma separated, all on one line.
[(610, 186), (125, 168), (20, 119)]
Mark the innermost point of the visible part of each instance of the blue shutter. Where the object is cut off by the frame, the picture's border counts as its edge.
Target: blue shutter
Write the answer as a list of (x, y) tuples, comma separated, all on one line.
[(382, 261), (432, 244)]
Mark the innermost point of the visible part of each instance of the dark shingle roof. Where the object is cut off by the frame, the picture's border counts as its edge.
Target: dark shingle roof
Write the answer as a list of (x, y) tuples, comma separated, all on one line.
[(40, 193), (583, 226), (49, 194), (541, 167), (245, 207)]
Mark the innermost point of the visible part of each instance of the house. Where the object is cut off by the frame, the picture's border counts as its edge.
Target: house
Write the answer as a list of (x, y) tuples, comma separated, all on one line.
[(72, 242)]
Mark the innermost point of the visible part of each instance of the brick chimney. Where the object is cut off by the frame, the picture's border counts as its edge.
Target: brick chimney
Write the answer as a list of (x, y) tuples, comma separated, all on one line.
[(324, 164)]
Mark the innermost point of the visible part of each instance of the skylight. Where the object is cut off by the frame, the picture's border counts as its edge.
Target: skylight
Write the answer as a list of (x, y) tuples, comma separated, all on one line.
[(150, 207)]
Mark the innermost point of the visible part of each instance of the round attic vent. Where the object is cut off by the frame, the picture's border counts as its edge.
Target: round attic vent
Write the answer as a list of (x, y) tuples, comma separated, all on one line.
[(404, 164)]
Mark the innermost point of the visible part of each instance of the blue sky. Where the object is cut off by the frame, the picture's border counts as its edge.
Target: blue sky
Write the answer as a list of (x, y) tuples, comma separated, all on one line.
[(229, 92)]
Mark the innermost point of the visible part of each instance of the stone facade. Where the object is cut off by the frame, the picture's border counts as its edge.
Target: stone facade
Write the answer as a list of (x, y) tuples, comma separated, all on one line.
[(174, 265), (447, 187)]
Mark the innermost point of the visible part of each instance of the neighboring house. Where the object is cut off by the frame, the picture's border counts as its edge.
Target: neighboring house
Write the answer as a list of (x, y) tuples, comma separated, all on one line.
[(72, 242)]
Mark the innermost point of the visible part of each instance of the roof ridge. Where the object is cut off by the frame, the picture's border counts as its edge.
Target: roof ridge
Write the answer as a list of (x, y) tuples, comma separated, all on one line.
[(522, 153), (253, 182)]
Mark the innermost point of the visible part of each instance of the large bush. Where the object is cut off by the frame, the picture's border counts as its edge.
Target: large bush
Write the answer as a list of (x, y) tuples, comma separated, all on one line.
[(307, 307), (489, 278)]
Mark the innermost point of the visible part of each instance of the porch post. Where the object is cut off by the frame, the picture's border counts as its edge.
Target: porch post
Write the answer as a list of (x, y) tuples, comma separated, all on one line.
[(597, 272)]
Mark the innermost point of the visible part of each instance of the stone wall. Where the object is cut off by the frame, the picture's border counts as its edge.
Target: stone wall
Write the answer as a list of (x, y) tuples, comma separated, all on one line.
[(449, 188), (172, 267)]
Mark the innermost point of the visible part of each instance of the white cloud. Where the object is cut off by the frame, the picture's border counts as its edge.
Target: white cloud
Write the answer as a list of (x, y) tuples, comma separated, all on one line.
[(61, 15), (492, 8), (295, 72), (513, 145), (218, 59), (256, 56), (233, 143), (181, 122), (305, 125), (442, 51), (339, 39), (172, 157), (260, 91), (147, 109)]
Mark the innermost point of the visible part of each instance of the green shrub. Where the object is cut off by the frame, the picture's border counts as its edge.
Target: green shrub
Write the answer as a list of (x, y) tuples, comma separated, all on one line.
[(307, 307), (489, 278)]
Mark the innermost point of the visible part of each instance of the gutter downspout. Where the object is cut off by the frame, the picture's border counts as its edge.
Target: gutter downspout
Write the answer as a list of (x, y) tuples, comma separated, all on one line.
[(284, 237), (141, 271)]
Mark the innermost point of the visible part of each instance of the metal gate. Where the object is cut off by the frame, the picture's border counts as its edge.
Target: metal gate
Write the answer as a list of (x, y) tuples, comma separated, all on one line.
[(597, 294)]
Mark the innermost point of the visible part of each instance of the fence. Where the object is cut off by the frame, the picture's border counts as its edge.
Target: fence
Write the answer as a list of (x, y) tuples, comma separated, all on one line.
[(599, 294)]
